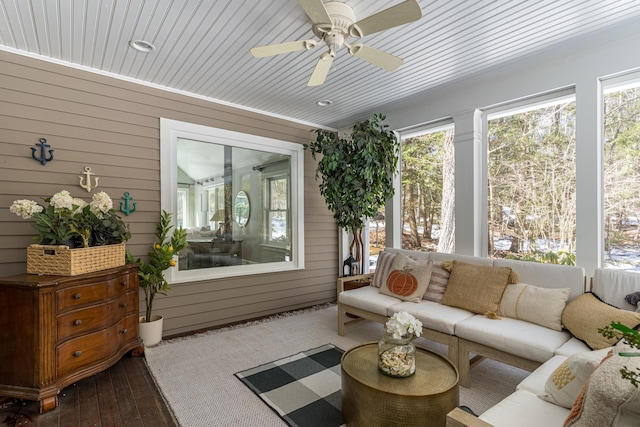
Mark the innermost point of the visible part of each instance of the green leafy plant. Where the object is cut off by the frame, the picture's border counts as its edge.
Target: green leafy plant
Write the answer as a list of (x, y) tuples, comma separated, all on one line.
[(631, 337), (65, 217), (161, 257), (356, 173)]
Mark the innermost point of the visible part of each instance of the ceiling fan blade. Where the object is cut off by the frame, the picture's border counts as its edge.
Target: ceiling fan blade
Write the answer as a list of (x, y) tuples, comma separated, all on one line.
[(316, 11), (376, 57), (403, 13), (322, 69), (276, 49)]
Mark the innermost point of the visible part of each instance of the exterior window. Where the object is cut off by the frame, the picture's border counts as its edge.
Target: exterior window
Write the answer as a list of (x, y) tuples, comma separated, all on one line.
[(531, 182), (215, 181), (428, 190), (622, 176)]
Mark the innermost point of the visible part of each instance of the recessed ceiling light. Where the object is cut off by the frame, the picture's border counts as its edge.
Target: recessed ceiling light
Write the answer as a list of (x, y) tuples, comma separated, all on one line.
[(324, 103), (142, 46)]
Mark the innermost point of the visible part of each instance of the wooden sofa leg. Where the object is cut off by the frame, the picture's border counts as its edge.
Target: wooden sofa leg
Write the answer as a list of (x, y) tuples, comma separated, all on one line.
[(464, 365)]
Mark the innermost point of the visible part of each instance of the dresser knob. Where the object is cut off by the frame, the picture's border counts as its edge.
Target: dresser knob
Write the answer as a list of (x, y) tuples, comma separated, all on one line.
[(123, 283), (78, 322), (123, 305), (77, 296), (77, 353), (124, 331)]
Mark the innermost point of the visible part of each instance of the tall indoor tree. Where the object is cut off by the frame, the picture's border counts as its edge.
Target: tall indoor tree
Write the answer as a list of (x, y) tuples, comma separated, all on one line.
[(356, 174)]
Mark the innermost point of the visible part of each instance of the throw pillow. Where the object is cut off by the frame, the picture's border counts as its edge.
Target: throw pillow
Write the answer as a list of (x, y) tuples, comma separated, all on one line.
[(408, 279), (585, 314), (542, 306), (607, 399), (383, 268), (567, 380), (437, 283), (476, 288)]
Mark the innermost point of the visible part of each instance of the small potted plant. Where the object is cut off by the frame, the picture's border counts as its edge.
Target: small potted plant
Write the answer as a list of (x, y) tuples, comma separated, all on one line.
[(151, 275)]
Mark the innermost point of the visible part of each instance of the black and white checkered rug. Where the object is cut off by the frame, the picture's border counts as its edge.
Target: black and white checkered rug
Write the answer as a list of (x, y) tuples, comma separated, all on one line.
[(304, 389)]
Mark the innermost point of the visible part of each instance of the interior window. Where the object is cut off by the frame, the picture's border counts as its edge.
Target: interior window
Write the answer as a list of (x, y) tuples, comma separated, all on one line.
[(221, 182)]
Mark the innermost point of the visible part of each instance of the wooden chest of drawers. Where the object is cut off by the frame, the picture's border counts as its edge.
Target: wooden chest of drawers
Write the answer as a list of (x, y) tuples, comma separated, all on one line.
[(56, 330)]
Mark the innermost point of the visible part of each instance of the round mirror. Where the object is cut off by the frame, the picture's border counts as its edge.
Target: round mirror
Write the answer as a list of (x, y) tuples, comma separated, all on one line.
[(241, 208)]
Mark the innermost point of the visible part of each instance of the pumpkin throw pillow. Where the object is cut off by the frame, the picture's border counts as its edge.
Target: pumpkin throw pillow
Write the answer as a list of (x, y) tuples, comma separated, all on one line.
[(408, 279), (607, 399), (566, 382), (476, 288), (585, 314), (383, 268), (542, 306), (437, 283)]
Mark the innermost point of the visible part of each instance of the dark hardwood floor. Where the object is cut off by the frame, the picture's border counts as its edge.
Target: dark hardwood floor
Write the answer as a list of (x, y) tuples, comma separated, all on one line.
[(123, 395)]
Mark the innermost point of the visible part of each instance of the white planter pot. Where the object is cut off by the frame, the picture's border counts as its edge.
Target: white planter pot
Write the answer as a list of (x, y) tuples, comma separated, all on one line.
[(151, 332)]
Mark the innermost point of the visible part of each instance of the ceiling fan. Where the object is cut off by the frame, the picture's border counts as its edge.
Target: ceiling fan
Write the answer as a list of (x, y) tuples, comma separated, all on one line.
[(333, 23)]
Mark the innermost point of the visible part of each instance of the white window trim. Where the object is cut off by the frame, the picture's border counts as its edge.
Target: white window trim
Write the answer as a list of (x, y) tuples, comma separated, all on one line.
[(170, 131)]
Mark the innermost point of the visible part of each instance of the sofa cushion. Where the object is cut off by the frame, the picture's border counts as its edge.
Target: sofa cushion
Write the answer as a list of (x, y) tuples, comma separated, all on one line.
[(613, 285), (433, 315), (408, 279), (534, 304), (383, 268), (572, 346), (567, 380), (368, 298), (437, 283), (524, 409), (537, 379), (607, 399), (475, 288), (517, 337), (550, 276), (587, 313)]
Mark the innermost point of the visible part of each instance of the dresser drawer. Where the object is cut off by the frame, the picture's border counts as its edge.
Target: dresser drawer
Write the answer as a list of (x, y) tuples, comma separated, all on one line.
[(84, 351), (77, 296), (83, 320)]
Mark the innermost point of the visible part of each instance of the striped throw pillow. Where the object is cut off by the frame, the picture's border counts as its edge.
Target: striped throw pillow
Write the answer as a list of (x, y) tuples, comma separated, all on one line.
[(437, 283), (383, 268)]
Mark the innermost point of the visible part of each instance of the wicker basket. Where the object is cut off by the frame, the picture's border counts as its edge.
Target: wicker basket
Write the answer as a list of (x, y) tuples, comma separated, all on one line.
[(61, 260)]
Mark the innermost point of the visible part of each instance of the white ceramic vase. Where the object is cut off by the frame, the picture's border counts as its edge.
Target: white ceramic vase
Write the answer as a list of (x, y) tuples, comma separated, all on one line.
[(150, 332)]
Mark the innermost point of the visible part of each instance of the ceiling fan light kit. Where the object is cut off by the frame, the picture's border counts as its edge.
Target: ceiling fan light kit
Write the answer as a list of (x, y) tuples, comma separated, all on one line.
[(333, 23)]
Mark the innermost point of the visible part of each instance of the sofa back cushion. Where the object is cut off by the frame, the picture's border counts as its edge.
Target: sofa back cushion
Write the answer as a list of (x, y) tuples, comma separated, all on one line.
[(613, 285), (550, 276)]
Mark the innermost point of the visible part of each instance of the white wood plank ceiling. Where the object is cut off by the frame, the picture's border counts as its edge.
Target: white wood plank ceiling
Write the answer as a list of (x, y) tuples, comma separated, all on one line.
[(202, 46)]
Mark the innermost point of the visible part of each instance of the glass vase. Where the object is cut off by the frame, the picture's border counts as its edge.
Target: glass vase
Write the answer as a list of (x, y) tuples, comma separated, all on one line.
[(396, 356)]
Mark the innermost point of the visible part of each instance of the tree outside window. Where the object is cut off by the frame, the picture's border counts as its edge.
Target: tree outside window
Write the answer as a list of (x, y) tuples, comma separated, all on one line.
[(622, 176), (531, 183)]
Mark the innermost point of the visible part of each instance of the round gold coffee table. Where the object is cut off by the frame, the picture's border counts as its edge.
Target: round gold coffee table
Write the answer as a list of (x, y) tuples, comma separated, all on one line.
[(370, 398)]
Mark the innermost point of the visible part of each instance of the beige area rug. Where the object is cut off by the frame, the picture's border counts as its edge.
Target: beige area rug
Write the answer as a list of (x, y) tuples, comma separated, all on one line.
[(196, 373)]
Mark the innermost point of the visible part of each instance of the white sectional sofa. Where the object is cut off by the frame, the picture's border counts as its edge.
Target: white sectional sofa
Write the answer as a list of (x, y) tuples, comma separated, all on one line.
[(524, 408), (513, 341)]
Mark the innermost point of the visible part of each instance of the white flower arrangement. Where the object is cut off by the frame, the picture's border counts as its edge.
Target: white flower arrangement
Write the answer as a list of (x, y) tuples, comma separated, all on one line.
[(403, 324), (68, 216)]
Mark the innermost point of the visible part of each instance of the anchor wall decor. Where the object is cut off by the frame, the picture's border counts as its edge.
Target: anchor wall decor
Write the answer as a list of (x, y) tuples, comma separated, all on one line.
[(124, 205), (87, 185), (43, 155)]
